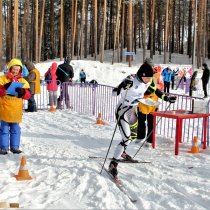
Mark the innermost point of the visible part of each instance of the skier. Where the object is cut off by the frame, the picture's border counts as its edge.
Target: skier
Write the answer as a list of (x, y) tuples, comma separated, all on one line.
[(132, 89)]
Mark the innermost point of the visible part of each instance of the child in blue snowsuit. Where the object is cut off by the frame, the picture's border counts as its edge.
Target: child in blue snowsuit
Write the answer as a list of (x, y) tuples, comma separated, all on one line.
[(11, 106)]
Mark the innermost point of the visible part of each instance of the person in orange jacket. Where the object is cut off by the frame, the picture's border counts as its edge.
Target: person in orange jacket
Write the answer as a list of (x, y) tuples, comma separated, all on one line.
[(11, 107), (33, 79)]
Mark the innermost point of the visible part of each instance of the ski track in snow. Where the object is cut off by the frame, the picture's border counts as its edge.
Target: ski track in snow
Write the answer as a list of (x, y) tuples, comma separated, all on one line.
[(57, 146)]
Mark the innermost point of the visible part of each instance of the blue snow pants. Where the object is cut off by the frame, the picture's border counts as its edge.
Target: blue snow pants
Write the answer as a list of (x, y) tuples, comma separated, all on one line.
[(9, 131)]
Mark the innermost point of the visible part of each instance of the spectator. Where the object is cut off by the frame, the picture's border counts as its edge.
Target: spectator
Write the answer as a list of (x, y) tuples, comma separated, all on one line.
[(64, 73), (193, 83), (52, 86), (175, 72), (167, 74), (82, 76), (145, 118), (11, 108), (94, 83), (205, 79), (33, 79)]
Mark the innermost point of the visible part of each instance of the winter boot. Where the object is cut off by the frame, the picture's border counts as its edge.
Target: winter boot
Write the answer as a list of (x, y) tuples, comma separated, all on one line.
[(58, 104), (3, 151), (127, 157), (15, 151), (113, 167)]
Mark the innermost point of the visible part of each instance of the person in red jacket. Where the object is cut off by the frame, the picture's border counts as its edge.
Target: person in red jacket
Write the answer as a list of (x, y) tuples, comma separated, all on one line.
[(52, 86), (11, 105)]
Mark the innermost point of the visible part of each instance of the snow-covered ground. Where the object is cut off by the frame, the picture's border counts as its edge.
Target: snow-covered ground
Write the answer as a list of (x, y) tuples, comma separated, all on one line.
[(57, 146)]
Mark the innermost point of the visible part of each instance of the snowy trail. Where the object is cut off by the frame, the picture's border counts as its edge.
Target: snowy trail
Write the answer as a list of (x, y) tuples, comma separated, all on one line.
[(57, 146)]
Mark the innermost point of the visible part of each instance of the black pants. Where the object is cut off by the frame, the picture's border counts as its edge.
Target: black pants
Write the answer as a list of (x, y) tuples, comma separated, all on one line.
[(82, 80), (143, 126), (166, 87), (64, 95), (172, 83), (205, 87), (31, 104)]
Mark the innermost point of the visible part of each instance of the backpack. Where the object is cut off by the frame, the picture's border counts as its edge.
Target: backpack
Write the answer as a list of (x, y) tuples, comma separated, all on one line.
[(48, 76)]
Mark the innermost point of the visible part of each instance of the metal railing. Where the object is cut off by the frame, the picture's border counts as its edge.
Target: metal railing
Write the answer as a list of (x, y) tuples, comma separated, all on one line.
[(94, 99)]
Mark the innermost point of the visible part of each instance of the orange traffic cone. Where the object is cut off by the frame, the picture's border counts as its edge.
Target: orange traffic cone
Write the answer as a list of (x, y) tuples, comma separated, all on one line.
[(52, 108), (99, 120), (23, 171), (194, 148)]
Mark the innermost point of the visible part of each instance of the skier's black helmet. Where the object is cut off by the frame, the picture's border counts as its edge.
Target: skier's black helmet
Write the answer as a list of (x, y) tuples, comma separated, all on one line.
[(145, 70)]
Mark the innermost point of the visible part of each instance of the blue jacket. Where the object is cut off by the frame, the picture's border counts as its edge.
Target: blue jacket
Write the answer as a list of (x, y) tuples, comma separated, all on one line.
[(167, 74), (82, 75)]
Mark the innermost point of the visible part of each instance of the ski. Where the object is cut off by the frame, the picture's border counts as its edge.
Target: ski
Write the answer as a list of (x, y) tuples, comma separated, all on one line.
[(120, 185), (120, 160)]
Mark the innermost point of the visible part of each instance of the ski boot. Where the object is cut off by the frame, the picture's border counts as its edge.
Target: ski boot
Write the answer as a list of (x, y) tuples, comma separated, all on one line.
[(128, 158), (113, 168)]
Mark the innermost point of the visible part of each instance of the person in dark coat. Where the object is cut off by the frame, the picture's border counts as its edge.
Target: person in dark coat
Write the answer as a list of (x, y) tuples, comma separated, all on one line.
[(205, 79), (64, 73)]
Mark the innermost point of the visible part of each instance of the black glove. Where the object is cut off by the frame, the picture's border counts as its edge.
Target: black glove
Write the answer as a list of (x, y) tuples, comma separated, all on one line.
[(20, 91), (127, 84), (7, 85), (171, 99)]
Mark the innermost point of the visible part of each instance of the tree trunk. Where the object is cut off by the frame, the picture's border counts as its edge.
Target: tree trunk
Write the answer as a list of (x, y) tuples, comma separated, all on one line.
[(116, 28), (82, 29), (166, 32), (152, 28), (204, 32), (159, 26), (122, 41), (145, 29), (189, 39), (129, 33), (61, 31), (103, 33), (183, 27), (95, 30), (86, 29), (52, 23), (41, 29), (15, 30), (36, 47)]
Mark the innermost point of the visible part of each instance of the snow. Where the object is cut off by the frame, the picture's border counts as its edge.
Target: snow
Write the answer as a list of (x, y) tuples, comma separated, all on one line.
[(57, 146)]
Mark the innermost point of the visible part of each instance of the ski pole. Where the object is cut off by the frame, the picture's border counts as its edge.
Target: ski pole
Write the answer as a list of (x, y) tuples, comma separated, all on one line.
[(113, 134), (151, 131)]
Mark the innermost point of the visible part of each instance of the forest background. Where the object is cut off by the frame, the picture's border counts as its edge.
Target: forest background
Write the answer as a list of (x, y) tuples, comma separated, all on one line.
[(39, 30)]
